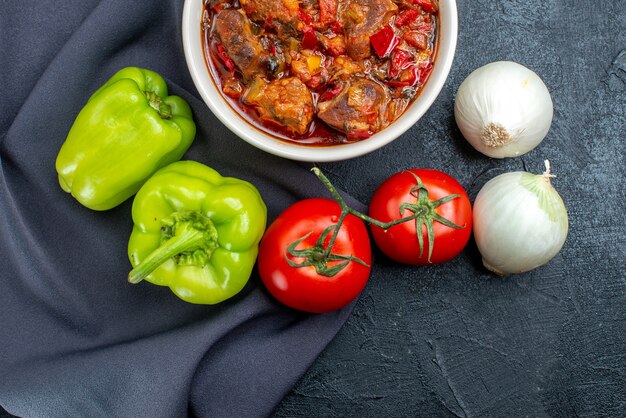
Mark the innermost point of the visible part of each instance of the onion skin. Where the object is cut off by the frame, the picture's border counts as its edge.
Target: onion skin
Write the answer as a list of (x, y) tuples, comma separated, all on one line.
[(503, 109), (520, 222)]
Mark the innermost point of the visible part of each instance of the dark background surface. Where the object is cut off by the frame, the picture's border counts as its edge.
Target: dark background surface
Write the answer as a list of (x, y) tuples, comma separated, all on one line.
[(453, 340)]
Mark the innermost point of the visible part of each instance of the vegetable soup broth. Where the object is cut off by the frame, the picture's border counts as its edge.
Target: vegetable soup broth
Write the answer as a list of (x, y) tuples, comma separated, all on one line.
[(387, 85)]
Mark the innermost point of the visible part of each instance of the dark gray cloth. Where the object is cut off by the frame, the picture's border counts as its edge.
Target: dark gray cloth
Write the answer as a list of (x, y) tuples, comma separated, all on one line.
[(75, 338)]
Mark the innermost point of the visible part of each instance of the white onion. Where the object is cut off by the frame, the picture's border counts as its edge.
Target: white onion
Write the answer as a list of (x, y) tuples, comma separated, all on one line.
[(520, 222), (503, 109)]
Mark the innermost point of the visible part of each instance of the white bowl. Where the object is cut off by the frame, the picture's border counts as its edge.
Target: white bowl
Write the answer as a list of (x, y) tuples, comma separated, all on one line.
[(192, 44)]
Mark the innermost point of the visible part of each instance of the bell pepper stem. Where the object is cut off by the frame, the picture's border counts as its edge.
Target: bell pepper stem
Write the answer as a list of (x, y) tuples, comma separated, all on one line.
[(186, 238), (156, 102)]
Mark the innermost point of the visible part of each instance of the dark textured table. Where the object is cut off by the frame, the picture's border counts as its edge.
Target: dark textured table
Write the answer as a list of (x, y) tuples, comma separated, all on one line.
[(454, 340)]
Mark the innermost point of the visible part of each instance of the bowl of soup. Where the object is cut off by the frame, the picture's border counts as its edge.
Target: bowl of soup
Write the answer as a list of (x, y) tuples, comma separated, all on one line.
[(319, 80)]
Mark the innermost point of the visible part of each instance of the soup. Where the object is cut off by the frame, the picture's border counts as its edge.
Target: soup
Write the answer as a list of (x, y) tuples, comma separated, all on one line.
[(320, 72)]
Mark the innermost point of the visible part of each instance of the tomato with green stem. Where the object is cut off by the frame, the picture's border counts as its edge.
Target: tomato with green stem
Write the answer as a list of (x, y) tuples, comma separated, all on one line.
[(442, 215), (298, 268)]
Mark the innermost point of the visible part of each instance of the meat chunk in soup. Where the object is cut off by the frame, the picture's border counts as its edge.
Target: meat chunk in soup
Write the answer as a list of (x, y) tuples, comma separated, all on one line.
[(286, 102), (282, 15), (358, 110), (241, 46), (361, 19), (328, 10)]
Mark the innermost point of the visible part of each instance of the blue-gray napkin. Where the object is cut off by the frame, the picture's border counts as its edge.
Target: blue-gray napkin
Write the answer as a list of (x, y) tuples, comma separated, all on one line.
[(76, 339)]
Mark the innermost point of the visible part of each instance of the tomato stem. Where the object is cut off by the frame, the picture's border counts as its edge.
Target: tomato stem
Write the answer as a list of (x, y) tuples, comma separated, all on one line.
[(320, 255), (335, 231), (345, 209), (423, 213)]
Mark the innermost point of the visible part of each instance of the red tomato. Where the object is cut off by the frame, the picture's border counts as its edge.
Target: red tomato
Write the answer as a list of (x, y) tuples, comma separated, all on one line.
[(304, 288), (402, 192)]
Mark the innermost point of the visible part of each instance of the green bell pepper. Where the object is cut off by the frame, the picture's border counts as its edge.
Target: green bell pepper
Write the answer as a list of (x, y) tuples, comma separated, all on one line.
[(196, 232), (127, 130)]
